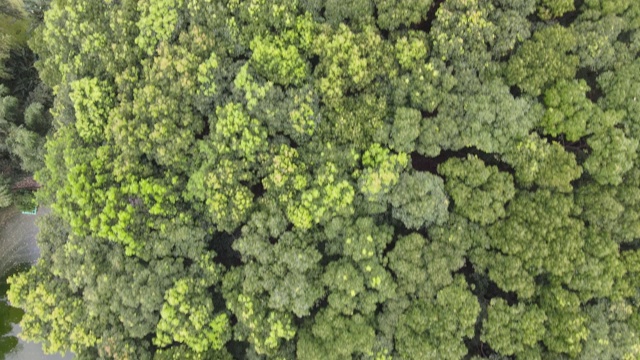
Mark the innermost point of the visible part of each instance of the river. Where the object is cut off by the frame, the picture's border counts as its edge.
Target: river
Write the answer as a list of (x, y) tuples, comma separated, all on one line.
[(17, 246)]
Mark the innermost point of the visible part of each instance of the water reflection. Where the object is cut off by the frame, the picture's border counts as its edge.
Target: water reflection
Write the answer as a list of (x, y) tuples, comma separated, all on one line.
[(8, 317), (18, 250), (18, 239), (30, 351), (8, 344)]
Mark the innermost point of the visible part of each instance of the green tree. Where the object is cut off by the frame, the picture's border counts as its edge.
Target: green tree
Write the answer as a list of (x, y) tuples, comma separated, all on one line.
[(543, 59), (6, 197), (619, 90), (36, 119), (28, 146), (492, 118), (612, 155), (394, 13), (187, 317), (513, 330), (419, 200), (436, 259), (548, 9), (462, 33), (566, 324), (598, 47), (511, 24), (405, 129), (568, 111), (538, 162), (218, 181), (435, 327), (355, 336), (540, 235), (610, 332), (479, 192)]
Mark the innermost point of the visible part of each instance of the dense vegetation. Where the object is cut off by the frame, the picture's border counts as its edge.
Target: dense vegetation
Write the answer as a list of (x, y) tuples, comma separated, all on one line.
[(24, 102), (330, 179)]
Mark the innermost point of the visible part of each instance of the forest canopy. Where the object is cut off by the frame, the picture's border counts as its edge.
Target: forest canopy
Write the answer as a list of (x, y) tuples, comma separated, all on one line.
[(325, 179)]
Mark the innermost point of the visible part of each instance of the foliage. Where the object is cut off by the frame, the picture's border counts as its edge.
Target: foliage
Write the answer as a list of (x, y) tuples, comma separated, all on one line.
[(476, 114), (25, 200), (612, 156), (187, 318), (552, 9), (419, 200), (428, 330), (537, 162), (479, 192), (568, 111), (28, 146), (543, 59), (539, 235), (394, 13), (24, 121), (312, 179), (513, 329), (6, 197)]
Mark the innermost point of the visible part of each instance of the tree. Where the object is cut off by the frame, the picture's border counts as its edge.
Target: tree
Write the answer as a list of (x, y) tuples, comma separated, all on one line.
[(536, 162), (566, 328), (619, 88), (6, 198), (612, 155), (513, 329), (186, 317), (57, 308), (405, 129), (436, 258), (492, 117), (394, 13), (354, 337), (435, 327), (539, 236), (568, 111), (610, 332), (419, 200), (462, 33), (543, 59), (36, 8), (479, 192), (382, 171), (36, 119), (553, 9), (512, 26), (218, 182), (12, 35), (28, 146), (598, 47)]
